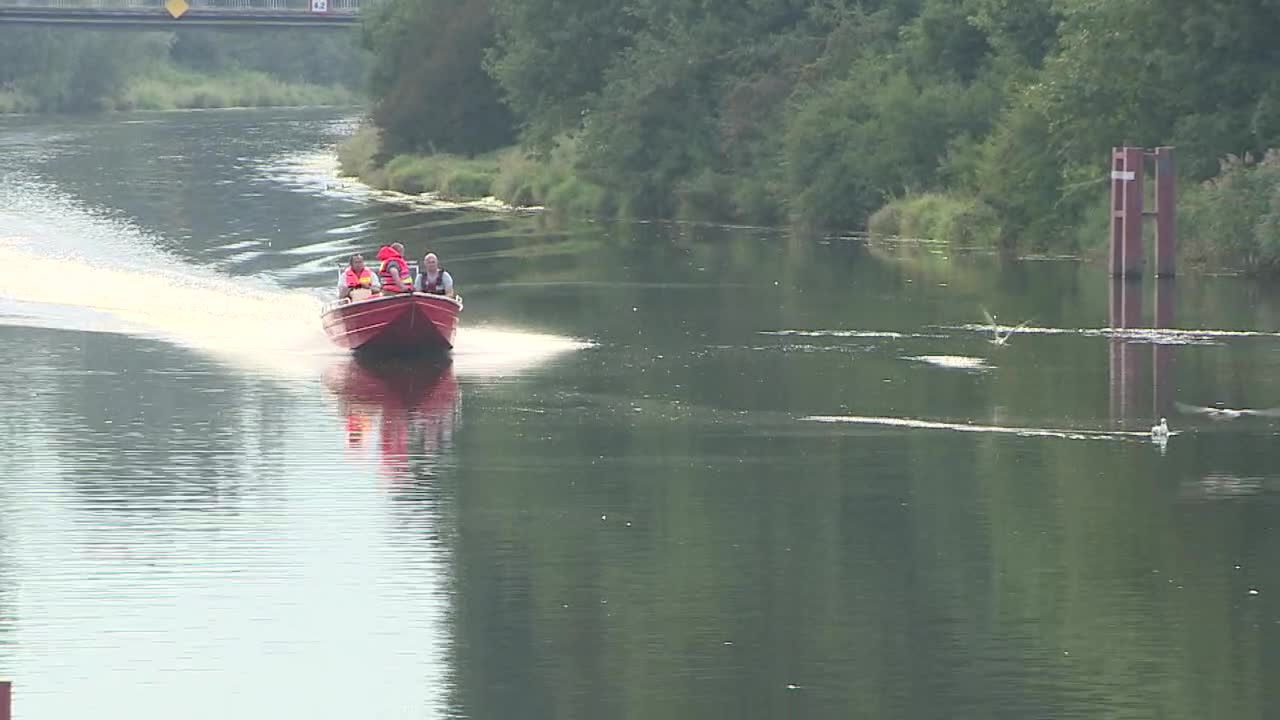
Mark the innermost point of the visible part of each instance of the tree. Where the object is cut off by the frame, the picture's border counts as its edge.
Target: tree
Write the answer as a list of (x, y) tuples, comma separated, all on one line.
[(429, 86)]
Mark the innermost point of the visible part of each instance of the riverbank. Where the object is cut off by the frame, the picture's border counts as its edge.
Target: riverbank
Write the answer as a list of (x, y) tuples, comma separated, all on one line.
[(508, 175), (173, 88), (1226, 225)]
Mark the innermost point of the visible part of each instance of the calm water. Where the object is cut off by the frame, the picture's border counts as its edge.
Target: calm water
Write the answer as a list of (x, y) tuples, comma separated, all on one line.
[(672, 471)]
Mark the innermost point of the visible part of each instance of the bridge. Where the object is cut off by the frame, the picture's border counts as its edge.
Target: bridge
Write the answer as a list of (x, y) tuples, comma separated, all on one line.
[(174, 14)]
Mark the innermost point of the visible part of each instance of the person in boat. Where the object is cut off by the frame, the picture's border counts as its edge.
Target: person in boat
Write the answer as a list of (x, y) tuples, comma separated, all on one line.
[(394, 271), (358, 282), (433, 279)]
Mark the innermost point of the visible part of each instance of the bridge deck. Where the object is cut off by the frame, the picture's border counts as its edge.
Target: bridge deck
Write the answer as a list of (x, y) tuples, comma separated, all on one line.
[(177, 13)]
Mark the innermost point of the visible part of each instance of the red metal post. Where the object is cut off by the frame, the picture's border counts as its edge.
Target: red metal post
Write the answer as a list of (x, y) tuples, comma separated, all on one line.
[(1166, 212), (1118, 173), (6, 700), (1126, 211), (1133, 158)]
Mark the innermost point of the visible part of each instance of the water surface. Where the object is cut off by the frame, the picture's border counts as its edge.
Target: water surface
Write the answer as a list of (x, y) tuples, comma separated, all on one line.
[(673, 470)]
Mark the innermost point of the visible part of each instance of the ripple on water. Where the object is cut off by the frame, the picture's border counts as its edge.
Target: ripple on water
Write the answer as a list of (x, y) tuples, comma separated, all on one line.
[(953, 362)]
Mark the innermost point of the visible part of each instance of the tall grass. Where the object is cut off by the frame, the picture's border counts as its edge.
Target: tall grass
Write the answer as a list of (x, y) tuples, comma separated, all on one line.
[(510, 174), (170, 88), (551, 181), (936, 216), (13, 101)]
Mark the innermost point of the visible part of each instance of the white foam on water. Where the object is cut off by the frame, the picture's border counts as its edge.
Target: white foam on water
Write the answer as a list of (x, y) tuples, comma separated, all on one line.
[(240, 245), (953, 362), (500, 352), (1157, 336), (912, 423), (870, 334)]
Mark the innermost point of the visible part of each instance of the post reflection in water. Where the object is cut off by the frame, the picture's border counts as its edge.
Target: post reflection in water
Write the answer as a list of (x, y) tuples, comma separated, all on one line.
[(411, 406), (1126, 370), (1129, 353), (1162, 353)]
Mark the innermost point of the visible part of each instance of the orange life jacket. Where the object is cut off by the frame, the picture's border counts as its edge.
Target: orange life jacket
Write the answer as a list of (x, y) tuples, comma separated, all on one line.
[(390, 257), (363, 280)]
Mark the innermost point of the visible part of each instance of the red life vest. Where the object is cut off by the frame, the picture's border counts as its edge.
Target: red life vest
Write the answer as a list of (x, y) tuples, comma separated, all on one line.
[(390, 257), (434, 287), (363, 280)]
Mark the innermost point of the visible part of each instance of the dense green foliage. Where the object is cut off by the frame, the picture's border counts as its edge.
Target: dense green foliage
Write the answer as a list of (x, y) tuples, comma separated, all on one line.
[(75, 70), (431, 92), (826, 110)]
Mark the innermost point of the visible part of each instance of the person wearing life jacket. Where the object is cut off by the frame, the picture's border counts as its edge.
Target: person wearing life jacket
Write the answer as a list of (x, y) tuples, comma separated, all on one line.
[(433, 279), (357, 277), (394, 271)]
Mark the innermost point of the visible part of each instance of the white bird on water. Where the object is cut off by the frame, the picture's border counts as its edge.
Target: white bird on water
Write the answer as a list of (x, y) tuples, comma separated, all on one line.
[(1222, 413), (1161, 431), (997, 337)]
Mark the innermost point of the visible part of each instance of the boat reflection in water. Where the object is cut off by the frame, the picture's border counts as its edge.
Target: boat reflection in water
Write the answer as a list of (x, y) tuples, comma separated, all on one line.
[(411, 408)]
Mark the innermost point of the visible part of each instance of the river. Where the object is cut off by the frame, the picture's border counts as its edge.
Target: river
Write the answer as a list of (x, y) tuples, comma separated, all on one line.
[(673, 470)]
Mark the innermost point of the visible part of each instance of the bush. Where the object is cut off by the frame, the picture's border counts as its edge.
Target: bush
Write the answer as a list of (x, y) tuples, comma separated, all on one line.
[(706, 196), (1234, 218), (357, 155), (411, 174), (934, 216), (12, 101), (468, 183), (887, 221)]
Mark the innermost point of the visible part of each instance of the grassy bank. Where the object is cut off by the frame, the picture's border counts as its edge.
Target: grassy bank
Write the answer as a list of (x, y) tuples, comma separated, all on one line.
[(1228, 223), (935, 216), (172, 88), (175, 89), (1231, 222), (14, 101), (508, 174)]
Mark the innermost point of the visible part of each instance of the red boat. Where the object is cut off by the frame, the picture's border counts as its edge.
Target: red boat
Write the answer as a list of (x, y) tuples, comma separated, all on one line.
[(409, 323)]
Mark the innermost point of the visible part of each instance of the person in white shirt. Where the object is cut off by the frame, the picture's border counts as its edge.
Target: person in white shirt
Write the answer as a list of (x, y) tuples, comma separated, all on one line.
[(433, 279)]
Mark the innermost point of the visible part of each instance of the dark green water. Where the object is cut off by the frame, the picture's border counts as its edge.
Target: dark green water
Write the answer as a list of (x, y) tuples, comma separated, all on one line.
[(673, 470)]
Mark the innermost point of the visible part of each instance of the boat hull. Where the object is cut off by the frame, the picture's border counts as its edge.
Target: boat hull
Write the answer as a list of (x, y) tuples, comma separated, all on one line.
[(414, 323)]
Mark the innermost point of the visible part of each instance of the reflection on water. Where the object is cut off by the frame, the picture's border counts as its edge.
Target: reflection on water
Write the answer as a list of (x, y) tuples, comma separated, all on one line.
[(672, 470), (1131, 355), (411, 409)]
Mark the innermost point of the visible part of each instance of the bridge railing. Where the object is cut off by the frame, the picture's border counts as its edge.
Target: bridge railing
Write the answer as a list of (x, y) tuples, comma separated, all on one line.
[(299, 6)]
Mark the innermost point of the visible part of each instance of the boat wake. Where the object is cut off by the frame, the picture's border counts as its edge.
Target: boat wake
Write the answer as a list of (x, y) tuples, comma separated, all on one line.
[(82, 270), (236, 321), (1153, 336), (912, 423), (500, 352), (865, 334)]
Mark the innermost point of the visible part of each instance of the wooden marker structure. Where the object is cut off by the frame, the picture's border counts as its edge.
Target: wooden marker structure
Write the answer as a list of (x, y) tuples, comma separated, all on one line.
[(1127, 266), (1127, 213)]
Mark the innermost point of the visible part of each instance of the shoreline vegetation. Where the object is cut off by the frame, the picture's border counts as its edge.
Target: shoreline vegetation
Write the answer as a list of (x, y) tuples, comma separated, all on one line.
[(78, 70), (507, 174), (977, 122), (1230, 223), (180, 89)]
